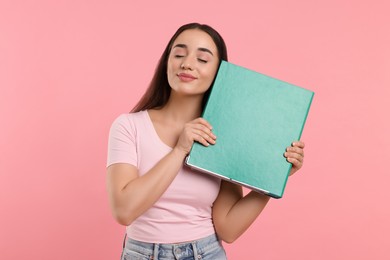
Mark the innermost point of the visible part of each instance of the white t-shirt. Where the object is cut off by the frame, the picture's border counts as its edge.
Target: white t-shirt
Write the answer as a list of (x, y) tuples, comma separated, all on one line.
[(183, 213)]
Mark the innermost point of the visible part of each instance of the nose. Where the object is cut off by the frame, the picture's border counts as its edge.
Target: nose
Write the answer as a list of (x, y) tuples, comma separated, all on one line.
[(187, 64)]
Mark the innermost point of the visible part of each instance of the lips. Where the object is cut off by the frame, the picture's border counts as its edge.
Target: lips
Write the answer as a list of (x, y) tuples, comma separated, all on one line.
[(186, 77)]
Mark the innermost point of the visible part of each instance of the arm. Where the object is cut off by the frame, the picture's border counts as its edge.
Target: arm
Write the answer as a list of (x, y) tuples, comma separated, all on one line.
[(130, 195), (228, 209), (233, 213)]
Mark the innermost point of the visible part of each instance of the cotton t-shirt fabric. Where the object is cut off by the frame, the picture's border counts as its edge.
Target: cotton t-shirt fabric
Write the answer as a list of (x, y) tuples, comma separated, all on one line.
[(183, 212)]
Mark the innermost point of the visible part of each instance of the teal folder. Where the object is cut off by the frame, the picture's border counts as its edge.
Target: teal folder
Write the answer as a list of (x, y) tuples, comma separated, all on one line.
[(255, 118)]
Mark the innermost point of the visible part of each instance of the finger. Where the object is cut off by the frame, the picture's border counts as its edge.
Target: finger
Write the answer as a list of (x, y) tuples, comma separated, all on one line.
[(203, 122), (295, 150), (299, 144), (295, 162), (293, 155), (200, 126), (205, 136), (196, 135), (200, 139), (202, 130)]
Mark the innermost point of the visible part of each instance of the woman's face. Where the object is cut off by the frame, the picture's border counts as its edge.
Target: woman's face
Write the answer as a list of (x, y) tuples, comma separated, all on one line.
[(192, 63)]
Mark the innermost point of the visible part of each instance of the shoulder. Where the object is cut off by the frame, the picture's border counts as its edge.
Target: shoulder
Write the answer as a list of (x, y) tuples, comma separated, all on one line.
[(128, 120)]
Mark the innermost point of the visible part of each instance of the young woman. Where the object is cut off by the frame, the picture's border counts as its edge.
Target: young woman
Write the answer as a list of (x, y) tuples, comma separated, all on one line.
[(170, 211)]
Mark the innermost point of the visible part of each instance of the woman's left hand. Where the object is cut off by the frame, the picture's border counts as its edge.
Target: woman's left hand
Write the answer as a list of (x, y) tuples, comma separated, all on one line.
[(294, 155)]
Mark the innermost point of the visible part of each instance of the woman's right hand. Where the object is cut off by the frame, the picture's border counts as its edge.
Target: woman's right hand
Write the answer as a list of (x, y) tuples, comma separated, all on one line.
[(198, 130)]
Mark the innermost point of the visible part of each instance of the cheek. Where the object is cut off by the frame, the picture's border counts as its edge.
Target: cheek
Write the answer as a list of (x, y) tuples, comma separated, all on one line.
[(170, 76), (170, 70), (172, 65), (211, 73)]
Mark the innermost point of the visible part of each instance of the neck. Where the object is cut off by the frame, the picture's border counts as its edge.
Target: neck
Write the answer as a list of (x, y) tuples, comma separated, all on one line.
[(183, 109)]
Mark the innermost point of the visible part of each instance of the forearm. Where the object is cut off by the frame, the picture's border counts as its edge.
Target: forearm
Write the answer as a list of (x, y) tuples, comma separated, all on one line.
[(141, 193), (242, 214)]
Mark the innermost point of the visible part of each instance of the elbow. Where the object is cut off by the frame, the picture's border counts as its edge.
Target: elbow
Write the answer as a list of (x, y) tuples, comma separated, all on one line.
[(228, 238), (227, 235), (124, 214), (125, 221), (122, 217)]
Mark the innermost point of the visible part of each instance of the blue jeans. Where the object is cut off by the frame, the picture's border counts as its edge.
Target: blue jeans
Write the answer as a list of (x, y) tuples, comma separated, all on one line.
[(208, 248)]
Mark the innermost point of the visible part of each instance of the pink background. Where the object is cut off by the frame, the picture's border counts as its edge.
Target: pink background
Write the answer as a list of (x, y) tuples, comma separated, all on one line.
[(68, 68)]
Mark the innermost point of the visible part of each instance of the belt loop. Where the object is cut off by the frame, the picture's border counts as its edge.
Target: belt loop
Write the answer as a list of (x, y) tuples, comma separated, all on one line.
[(155, 251), (124, 240), (195, 249)]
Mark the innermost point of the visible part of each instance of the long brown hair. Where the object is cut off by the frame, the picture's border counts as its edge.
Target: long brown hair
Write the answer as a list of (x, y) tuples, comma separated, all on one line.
[(158, 92)]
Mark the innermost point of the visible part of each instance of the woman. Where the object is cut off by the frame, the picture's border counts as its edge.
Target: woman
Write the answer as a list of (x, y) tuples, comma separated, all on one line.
[(170, 211)]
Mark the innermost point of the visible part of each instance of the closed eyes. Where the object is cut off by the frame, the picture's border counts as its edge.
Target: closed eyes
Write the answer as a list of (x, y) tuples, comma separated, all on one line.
[(199, 59)]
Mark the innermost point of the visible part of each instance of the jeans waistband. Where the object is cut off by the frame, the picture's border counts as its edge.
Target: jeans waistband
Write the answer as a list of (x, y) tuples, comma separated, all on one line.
[(197, 246)]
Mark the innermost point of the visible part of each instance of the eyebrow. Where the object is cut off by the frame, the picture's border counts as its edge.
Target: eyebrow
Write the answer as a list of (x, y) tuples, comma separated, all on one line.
[(180, 45)]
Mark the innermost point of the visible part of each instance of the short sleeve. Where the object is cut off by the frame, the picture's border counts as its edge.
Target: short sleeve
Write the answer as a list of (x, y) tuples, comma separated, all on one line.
[(122, 146)]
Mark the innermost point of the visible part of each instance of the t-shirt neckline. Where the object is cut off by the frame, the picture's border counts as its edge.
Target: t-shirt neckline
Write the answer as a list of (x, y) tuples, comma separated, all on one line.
[(156, 136)]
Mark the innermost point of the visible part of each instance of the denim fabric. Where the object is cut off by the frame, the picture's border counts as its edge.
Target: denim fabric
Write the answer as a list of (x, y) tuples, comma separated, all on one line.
[(208, 248)]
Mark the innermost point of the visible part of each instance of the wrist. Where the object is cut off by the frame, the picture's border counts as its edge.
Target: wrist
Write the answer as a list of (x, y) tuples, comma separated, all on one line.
[(259, 196), (179, 153)]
